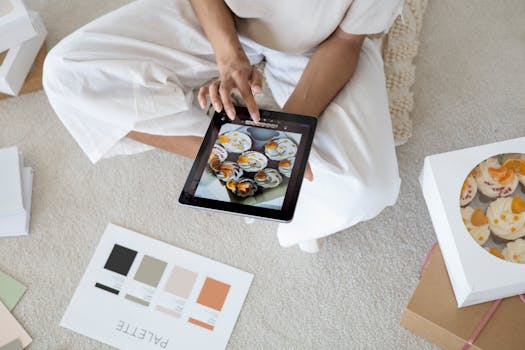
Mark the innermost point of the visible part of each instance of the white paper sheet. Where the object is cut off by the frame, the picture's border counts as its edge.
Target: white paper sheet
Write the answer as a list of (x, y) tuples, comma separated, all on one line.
[(128, 317)]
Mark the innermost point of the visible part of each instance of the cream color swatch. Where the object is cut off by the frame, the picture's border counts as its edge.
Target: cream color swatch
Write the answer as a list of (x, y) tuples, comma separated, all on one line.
[(11, 329)]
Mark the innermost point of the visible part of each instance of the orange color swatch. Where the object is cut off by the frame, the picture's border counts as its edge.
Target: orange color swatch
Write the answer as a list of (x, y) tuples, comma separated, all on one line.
[(200, 323), (213, 294)]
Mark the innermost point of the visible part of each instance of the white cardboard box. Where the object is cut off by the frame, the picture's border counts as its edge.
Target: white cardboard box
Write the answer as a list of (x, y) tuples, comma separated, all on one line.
[(18, 61), (476, 276), (15, 24), (16, 182)]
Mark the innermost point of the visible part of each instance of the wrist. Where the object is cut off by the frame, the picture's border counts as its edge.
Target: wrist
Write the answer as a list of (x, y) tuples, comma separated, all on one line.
[(230, 55)]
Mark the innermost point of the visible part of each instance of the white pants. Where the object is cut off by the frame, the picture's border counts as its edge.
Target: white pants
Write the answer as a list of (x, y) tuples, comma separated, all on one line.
[(137, 68)]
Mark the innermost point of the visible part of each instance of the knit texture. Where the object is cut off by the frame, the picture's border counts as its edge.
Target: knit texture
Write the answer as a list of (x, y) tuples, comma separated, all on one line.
[(401, 47)]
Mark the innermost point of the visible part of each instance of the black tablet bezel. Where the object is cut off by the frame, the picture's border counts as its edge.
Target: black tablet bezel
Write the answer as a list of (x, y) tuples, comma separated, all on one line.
[(305, 125)]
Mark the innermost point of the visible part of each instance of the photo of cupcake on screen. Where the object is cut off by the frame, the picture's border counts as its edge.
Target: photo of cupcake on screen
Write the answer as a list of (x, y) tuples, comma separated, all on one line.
[(250, 165), (492, 205)]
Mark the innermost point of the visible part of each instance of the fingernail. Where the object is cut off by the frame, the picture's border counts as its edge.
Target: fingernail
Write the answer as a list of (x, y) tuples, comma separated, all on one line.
[(202, 104), (255, 117), (231, 113), (257, 89)]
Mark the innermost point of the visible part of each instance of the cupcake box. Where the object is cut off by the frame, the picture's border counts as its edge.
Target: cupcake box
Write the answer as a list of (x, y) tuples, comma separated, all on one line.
[(16, 62), (15, 24), (476, 275)]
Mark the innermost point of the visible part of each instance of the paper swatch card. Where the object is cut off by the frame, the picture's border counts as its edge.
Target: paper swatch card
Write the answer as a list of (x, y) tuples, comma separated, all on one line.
[(14, 345), (10, 291), (140, 293), (11, 330)]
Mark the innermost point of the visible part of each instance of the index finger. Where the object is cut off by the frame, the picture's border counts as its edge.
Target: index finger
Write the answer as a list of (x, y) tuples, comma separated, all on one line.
[(249, 100)]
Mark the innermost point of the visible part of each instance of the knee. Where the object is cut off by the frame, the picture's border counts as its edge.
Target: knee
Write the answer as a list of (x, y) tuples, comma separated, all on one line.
[(380, 191), (54, 71), (370, 193)]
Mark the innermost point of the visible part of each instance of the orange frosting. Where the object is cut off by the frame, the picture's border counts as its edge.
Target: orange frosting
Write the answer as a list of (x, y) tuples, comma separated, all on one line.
[(271, 145), (478, 218), (231, 185), (517, 165), (223, 139), (496, 252), (503, 175), (518, 205)]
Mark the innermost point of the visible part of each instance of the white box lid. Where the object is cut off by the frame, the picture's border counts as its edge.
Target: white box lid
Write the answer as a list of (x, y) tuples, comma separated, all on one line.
[(476, 275), (15, 24)]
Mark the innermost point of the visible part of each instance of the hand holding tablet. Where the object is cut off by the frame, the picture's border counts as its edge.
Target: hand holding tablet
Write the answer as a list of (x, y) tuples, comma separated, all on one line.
[(249, 168)]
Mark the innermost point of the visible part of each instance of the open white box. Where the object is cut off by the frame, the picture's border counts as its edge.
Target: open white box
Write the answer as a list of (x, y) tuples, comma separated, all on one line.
[(18, 61), (476, 276), (15, 24)]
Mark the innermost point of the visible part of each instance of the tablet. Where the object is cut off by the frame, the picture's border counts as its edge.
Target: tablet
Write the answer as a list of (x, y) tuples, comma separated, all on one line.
[(252, 169)]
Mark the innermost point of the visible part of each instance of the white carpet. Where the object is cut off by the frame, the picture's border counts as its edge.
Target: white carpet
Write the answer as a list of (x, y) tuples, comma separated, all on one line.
[(469, 91)]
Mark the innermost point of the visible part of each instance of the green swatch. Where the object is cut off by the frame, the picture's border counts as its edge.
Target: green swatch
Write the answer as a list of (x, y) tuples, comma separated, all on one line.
[(10, 291), (14, 345)]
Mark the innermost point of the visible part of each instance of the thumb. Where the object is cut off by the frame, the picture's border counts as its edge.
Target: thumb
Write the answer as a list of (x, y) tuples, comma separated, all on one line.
[(308, 174), (256, 81)]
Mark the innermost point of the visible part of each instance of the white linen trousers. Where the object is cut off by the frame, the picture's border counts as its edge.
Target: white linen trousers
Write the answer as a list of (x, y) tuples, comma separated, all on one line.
[(139, 67)]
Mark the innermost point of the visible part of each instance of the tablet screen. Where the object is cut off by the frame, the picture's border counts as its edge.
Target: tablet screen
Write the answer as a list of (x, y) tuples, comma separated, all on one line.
[(244, 165)]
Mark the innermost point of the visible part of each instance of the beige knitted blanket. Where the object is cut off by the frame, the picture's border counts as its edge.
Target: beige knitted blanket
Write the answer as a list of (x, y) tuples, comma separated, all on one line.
[(400, 47)]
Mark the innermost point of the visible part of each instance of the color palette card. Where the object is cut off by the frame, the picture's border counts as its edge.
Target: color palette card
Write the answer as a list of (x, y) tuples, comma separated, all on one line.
[(140, 293), (11, 291)]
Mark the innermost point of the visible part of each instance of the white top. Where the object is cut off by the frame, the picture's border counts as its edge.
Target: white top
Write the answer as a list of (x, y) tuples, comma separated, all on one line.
[(300, 25)]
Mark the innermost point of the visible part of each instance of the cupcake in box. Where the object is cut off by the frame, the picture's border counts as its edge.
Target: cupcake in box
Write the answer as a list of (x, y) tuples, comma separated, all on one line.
[(243, 187), (518, 165), (268, 178), (496, 252), (495, 180), (515, 251), (468, 190), (507, 218), (229, 171), (476, 223)]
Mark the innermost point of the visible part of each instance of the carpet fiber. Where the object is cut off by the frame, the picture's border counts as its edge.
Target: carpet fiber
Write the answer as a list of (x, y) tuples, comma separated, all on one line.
[(468, 91)]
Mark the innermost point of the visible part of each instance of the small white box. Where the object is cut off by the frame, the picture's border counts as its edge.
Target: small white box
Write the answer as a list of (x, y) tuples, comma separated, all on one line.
[(475, 274), (15, 24), (16, 182), (18, 61)]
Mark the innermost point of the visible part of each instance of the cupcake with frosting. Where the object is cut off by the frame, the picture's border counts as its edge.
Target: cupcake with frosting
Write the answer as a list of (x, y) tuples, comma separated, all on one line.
[(280, 149), (495, 180), (507, 218), (217, 156), (235, 141), (476, 223), (515, 251), (268, 178), (516, 163), (228, 171), (252, 161), (468, 190), (496, 252), (243, 187), (286, 166), (218, 152)]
